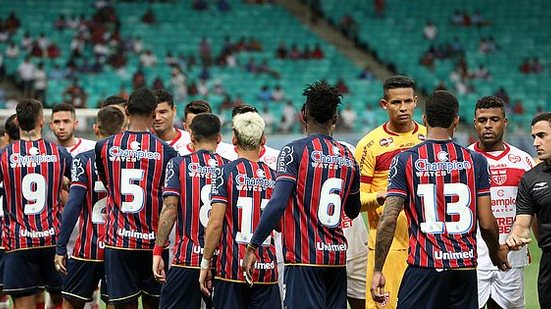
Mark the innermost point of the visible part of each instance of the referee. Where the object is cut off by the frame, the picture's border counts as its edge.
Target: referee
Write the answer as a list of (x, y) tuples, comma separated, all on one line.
[(533, 199)]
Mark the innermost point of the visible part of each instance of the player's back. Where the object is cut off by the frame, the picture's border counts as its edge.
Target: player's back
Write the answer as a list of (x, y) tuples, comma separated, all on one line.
[(33, 177), (440, 181), (190, 178), (324, 172), (90, 239), (134, 167), (245, 187)]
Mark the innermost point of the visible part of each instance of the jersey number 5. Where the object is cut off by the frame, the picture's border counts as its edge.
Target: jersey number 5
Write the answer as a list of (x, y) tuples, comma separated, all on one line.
[(460, 207), (128, 187)]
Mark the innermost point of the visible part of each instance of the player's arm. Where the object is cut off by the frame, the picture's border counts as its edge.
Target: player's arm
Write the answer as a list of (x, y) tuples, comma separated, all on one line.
[(100, 169), (535, 229), (212, 237), (490, 232), (353, 203), (366, 161), (520, 232), (166, 220)]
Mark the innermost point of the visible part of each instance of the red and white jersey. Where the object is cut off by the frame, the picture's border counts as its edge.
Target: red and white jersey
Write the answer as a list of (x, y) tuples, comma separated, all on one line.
[(268, 155), (225, 150), (506, 169), (82, 145), (180, 142)]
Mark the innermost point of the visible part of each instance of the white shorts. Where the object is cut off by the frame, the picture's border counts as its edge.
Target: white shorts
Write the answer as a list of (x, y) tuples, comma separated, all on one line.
[(355, 276), (505, 288)]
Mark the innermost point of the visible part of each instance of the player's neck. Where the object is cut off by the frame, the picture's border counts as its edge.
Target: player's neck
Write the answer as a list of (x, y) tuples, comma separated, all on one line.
[(168, 135), (139, 124), (70, 142), (211, 147), (30, 136), (439, 134), (498, 146), (312, 128), (400, 128), (251, 155)]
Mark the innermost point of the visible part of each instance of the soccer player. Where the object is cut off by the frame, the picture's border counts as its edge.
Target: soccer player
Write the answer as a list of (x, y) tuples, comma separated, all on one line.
[(132, 166), (507, 164), (87, 201), (374, 153), (164, 123), (445, 189), (33, 172), (119, 103), (239, 194), (533, 200), (317, 178), (187, 202), (12, 128), (64, 123)]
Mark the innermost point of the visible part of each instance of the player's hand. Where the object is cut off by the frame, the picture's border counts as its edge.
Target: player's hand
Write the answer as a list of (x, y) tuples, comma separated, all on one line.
[(378, 288), (159, 268), (205, 281), (381, 197), (515, 242), (499, 258), (60, 263), (248, 265)]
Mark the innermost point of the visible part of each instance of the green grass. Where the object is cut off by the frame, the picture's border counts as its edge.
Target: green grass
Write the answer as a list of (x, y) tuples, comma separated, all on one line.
[(531, 278)]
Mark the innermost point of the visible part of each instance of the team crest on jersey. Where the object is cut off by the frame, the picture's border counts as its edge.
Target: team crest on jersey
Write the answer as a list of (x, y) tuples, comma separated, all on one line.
[(259, 183), (385, 142), (333, 161), (32, 159), (421, 137), (513, 158), (285, 158), (442, 156), (77, 169), (269, 159), (499, 177), (134, 154)]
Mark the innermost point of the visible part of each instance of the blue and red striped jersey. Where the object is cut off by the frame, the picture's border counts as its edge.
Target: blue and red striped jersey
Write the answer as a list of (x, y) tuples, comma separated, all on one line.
[(90, 240), (440, 181), (1, 213), (190, 178), (245, 188), (132, 165), (325, 173), (33, 178)]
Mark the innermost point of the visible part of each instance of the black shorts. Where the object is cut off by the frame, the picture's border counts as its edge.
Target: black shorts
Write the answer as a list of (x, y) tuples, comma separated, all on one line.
[(232, 295), (82, 280), (544, 280), (315, 287), (431, 288), (27, 270), (129, 273), (181, 289)]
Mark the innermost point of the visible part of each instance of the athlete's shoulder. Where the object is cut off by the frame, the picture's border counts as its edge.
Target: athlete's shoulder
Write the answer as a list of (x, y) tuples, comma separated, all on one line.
[(519, 156), (227, 151), (86, 155), (87, 143), (369, 139)]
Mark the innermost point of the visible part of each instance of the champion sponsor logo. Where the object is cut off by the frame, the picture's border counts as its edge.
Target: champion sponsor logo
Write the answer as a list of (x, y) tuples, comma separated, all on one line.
[(444, 255), (321, 246), (499, 177), (335, 161), (133, 154), (198, 170), (423, 165), (513, 158), (385, 142), (135, 234), (37, 234), (32, 159), (504, 202), (538, 186), (258, 183)]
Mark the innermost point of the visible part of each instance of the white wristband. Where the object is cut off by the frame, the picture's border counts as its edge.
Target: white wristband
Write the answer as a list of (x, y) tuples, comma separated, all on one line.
[(205, 264)]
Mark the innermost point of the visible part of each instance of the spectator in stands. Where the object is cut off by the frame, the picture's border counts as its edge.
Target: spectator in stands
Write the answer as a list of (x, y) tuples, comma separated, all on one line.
[(26, 42), (204, 74), (366, 74), (77, 45), (60, 23), (318, 52), (467, 20), (430, 31), (123, 93), (227, 103), (278, 94), (205, 52), (502, 93), (294, 53), (53, 51), (482, 73), (265, 68), (457, 18), (306, 54), (231, 61), (269, 120), (158, 84), (484, 46), (200, 5), (341, 86), (288, 117), (223, 5), (441, 86), (40, 83), (148, 59), (250, 66), (457, 47), (218, 87), (254, 45), (536, 65), (368, 119), (148, 17), (264, 95), (192, 88), (12, 23), (4, 34), (36, 51), (202, 88), (75, 95), (138, 80), (238, 100), (170, 60), (526, 66), (138, 44), (379, 8), (427, 59), (241, 45), (178, 84), (56, 73), (101, 51), (349, 117), (518, 107), (281, 51), (349, 26), (85, 67), (478, 20), (43, 42), (12, 51), (26, 76)]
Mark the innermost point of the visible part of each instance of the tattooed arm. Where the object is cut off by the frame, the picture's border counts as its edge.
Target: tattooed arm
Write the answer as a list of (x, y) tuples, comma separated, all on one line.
[(166, 220), (385, 235)]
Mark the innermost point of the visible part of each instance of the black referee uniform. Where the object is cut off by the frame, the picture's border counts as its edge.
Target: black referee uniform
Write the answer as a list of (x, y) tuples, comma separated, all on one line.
[(534, 198)]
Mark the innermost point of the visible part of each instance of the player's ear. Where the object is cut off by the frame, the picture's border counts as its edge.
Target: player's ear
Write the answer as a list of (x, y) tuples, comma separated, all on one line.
[(218, 138), (234, 139), (383, 103), (415, 100), (334, 121), (96, 129), (425, 120), (263, 140)]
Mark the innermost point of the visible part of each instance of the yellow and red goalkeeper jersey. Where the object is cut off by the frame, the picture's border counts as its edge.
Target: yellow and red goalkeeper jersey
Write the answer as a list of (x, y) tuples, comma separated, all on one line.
[(374, 154)]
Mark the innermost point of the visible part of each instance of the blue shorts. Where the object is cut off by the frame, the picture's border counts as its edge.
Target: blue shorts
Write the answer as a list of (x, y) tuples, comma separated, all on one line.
[(239, 295), (181, 289), (27, 270), (315, 287), (82, 280), (129, 274), (431, 288)]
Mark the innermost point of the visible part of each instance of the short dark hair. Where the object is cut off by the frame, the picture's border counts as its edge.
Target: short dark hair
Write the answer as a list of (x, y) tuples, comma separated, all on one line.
[(205, 126), (64, 107), (28, 111), (141, 102), (113, 100), (11, 128), (164, 96), (441, 109), (322, 100), (542, 117), (242, 109), (397, 82), (110, 120), (490, 102), (197, 107)]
